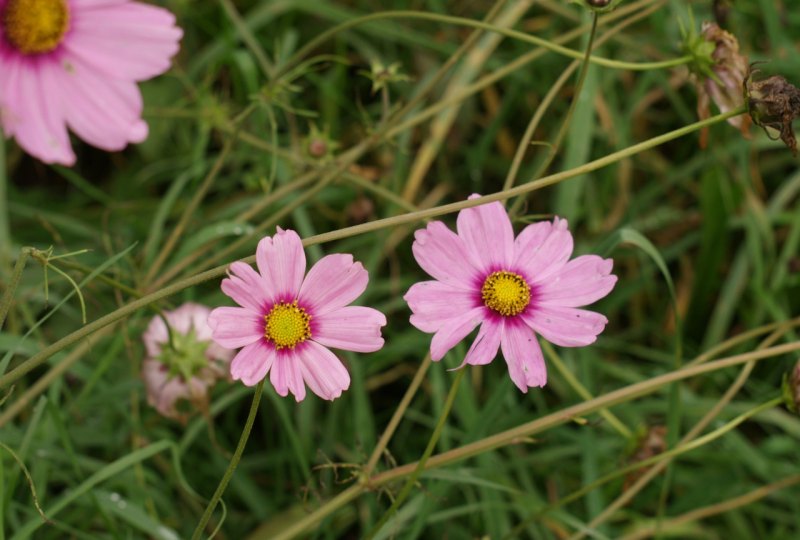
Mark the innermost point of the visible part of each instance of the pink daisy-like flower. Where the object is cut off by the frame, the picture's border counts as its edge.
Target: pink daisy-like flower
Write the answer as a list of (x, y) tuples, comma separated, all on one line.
[(288, 320), (76, 63), (184, 367), (512, 288)]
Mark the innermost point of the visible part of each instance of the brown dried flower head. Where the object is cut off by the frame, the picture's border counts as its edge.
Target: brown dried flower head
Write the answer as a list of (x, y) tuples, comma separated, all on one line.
[(722, 81), (774, 104)]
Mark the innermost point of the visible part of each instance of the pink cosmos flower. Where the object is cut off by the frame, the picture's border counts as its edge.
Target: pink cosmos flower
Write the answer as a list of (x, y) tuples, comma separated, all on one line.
[(76, 63), (288, 321), (185, 367), (512, 288)]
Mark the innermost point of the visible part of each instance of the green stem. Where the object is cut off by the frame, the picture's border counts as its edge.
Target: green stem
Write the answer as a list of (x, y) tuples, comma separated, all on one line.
[(16, 275), (233, 463), (520, 433), (412, 480), (669, 454), (169, 246), (610, 399), (562, 132), (419, 376), (248, 38), (514, 34), (581, 390), (37, 359)]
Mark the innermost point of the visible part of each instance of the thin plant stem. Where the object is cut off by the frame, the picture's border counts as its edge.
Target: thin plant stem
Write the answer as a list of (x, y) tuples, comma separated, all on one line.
[(419, 376), (562, 131), (248, 38), (631, 492), (518, 63), (42, 383), (556, 87), (461, 21), (237, 455), (520, 433), (671, 453), (412, 480), (581, 390), (440, 126), (11, 289), (169, 246), (40, 357), (579, 410), (715, 509)]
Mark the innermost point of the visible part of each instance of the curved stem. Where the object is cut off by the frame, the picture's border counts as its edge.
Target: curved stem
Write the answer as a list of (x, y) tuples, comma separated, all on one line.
[(562, 132), (520, 433), (610, 399), (39, 358), (11, 288), (412, 480), (714, 509), (514, 34), (237, 455), (397, 416)]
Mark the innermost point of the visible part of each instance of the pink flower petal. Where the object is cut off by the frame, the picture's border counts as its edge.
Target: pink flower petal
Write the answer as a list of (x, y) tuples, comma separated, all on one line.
[(565, 326), (102, 111), (484, 348), (334, 282), (433, 303), (286, 375), (36, 111), (129, 40), (351, 328), (323, 371), (282, 262), (253, 362), (453, 331), (487, 233), (234, 327), (581, 281), (444, 255), (523, 355), (538, 258), (248, 288), (155, 334)]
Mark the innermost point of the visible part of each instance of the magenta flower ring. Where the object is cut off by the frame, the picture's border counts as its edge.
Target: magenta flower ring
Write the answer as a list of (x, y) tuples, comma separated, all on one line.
[(512, 287), (287, 320)]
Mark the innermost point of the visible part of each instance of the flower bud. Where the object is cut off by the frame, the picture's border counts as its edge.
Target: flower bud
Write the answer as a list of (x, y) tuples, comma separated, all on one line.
[(182, 362), (720, 71)]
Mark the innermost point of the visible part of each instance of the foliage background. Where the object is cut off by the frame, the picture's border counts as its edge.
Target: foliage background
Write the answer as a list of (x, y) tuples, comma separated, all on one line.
[(723, 221)]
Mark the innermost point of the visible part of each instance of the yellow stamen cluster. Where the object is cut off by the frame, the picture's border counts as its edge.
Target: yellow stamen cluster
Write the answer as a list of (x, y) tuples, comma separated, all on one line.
[(287, 324), (35, 26), (506, 293)]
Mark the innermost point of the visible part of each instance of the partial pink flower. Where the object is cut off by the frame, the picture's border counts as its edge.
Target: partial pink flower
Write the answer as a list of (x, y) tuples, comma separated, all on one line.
[(184, 367), (289, 319), (75, 63), (513, 288)]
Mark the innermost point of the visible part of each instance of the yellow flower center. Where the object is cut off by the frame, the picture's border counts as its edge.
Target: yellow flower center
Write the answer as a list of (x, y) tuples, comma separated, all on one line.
[(35, 26), (287, 325), (506, 293)]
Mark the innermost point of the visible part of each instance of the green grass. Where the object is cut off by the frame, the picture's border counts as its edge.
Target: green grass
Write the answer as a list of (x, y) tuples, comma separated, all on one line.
[(706, 244)]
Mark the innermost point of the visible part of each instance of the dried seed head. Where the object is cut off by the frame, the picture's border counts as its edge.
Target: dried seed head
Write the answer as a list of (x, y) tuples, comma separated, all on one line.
[(720, 71), (774, 104)]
